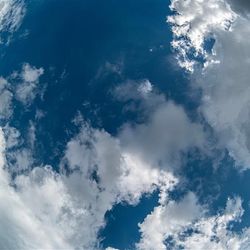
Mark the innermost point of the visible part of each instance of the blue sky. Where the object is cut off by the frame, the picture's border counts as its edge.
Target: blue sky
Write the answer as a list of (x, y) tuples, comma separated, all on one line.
[(124, 124)]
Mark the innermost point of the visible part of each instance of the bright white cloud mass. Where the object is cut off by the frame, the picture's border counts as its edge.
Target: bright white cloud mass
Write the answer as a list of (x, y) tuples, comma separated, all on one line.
[(224, 80), (64, 206), (11, 15)]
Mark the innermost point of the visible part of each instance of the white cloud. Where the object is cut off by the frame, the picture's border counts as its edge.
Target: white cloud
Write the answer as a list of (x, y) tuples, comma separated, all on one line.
[(5, 99), (106, 170), (145, 87), (21, 160), (188, 225), (165, 137), (41, 212), (27, 89), (139, 96), (97, 171), (193, 22), (121, 175), (65, 211), (11, 15), (166, 134), (226, 91), (20, 227), (12, 136), (134, 90), (21, 85), (225, 84)]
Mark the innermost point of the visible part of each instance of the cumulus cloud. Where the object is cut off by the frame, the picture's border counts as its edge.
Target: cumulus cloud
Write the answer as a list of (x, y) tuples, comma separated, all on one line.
[(97, 171), (165, 134), (224, 84), (193, 22), (120, 174), (165, 137), (226, 91), (21, 228), (20, 85), (49, 210), (186, 224), (105, 170), (26, 91)]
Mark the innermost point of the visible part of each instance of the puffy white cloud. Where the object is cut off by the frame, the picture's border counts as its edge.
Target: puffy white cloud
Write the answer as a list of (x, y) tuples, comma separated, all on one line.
[(167, 220), (226, 91), (21, 227), (12, 136), (44, 211), (140, 96), (167, 132), (224, 84), (104, 170), (193, 22), (21, 85), (27, 89), (51, 211), (188, 225), (165, 137), (97, 171), (66, 210), (121, 175), (11, 15)]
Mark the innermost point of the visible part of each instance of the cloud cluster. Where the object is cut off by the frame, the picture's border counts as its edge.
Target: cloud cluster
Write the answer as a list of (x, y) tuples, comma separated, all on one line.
[(67, 209), (187, 225), (224, 84), (23, 86), (27, 89), (97, 171), (11, 15), (194, 21)]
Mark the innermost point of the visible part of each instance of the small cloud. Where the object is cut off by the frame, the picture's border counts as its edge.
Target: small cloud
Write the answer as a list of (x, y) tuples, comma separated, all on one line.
[(145, 87), (5, 99), (27, 89), (11, 16)]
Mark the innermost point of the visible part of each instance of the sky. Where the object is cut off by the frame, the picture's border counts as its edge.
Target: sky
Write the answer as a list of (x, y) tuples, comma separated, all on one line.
[(124, 125)]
